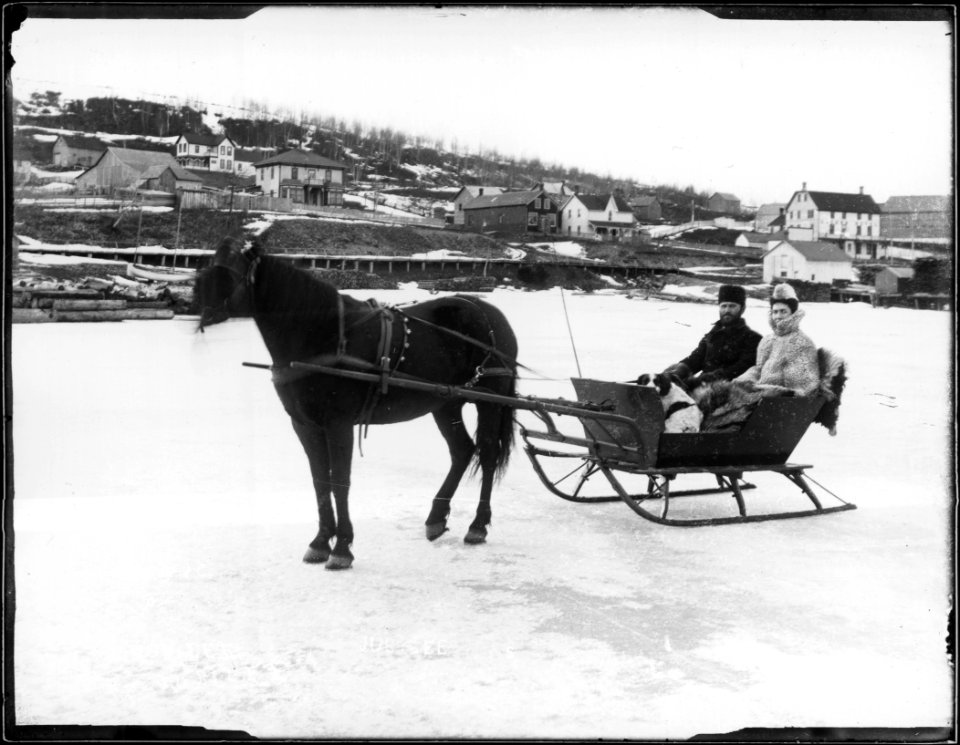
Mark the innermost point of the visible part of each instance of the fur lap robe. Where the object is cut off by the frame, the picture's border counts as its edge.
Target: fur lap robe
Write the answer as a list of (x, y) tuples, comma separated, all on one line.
[(726, 405)]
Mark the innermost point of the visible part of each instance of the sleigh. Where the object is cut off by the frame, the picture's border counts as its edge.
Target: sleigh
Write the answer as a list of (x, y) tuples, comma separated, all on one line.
[(622, 438), (623, 443)]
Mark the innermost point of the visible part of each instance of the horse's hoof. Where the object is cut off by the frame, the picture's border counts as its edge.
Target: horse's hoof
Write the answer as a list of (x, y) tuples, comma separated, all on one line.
[(475, 536), (436, 530), (339, 562), (313, 556)]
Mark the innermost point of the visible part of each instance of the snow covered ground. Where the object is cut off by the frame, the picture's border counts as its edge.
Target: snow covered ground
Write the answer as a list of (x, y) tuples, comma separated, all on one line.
[(163, 504)]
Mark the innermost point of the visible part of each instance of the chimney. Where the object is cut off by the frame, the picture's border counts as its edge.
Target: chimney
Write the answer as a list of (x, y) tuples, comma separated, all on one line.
[(861, 190), (804, 187)]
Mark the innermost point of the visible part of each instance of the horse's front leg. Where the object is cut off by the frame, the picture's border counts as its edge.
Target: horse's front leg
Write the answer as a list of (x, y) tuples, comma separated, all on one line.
[(340, 454), (314, 443)]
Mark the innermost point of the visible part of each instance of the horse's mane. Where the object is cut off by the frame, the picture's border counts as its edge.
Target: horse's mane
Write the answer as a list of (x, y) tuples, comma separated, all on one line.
[(282, 287)]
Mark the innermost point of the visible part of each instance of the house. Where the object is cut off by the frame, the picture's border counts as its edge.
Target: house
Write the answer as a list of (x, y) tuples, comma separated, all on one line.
[(913, 217), (851, 221), (597, 216), (724, 203), (244, 158), (893, 280), (468, 193), (766, 214), (120, 167), (171, 178), (647, 208), (809, 261), (763, 241), (512, 211), (302, 177), (77, 150), (209, 152)]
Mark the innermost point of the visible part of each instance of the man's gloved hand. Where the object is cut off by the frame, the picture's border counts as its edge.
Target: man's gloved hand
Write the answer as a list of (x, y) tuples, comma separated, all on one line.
[(709, 377), (678, 370)]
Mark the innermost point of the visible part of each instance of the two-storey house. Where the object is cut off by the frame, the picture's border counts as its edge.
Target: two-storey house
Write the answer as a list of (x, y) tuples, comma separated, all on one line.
[(467, 194), (850, 221), (512, 211), (207, 152), (597, 216), (302, 177)]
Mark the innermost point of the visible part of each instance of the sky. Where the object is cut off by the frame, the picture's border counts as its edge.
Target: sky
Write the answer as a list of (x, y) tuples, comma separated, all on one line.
[(658, 95)]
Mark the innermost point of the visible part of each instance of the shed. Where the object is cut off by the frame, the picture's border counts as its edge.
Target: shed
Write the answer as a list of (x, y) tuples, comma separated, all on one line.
[(893, 280), (647, 208), (78, 150), (170, 178)]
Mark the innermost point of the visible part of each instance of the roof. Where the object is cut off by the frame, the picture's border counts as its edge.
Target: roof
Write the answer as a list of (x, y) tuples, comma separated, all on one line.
[(300, 158), (252, 156), (198, 139), (832, 201), (474, 190), (598, 202), (609, 224), (506, 199), (643, 201), (818, 251), (918, 204), (84, 142), (777, 222), (179, 173), (140, 160), (726, 196), (901, 272)]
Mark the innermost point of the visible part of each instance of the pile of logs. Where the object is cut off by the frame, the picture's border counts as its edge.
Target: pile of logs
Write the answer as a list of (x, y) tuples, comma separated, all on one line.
[(37, 305)]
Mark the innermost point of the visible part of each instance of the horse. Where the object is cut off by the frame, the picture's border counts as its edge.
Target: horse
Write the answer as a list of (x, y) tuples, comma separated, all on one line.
[(457, 340)]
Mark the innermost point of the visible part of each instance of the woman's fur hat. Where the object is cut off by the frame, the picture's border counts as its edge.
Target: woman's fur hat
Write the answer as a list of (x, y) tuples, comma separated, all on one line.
[(784, 293), (732, 294)]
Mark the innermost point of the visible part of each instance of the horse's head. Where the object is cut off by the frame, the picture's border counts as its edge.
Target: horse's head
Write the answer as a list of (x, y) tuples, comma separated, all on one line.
[(223, 289)]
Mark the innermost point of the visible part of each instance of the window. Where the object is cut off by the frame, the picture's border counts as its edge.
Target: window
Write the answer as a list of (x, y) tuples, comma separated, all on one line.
[(271, 171), (553, 221), (578, 230), (858, 230), (222, 148), (327, 175), (229, 165), (229, 152), (831, 228), (610, 216), (569, 213), (293, 172), (196, 149), (809, 213), (532, 218), (870, 230), (312, 173)]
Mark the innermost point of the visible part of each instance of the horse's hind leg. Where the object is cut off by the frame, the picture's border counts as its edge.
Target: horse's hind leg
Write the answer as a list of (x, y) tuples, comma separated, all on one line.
[(449, 419), (494, 440), (314, 443)]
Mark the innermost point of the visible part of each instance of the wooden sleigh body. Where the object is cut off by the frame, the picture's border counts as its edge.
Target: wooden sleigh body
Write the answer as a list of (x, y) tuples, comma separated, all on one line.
[(623, 436)]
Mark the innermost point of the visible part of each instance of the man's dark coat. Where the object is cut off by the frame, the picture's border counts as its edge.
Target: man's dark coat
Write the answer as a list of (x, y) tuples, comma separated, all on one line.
[(724, 352)]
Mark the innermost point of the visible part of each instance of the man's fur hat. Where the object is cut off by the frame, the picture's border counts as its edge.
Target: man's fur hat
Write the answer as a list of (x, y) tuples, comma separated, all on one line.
[(732, 294)]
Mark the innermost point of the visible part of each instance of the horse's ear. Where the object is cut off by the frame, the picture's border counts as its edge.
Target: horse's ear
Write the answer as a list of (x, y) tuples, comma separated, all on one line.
[(256, 247)]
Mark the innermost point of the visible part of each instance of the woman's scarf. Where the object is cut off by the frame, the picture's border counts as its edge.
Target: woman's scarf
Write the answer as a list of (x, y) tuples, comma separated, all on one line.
[(787, 325)]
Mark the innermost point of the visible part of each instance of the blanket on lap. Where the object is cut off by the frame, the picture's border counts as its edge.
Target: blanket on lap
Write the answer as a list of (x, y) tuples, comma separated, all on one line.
[(726, 405)]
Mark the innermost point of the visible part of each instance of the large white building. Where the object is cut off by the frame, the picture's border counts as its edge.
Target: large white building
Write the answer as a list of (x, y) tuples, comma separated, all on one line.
[(850, 221)]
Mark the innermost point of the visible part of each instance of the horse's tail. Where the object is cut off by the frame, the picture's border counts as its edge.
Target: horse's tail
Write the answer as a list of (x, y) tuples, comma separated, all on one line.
[(502, 422)]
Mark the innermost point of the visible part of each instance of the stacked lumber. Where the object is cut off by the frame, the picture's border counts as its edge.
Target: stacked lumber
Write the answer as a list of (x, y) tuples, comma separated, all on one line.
[(39, 305)]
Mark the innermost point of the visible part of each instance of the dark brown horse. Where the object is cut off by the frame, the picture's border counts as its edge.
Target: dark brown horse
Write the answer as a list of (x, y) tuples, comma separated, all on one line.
[(456, 340)]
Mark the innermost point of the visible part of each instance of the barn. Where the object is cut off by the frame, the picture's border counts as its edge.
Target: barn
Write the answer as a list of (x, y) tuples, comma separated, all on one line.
[(171, 178), (121, 167)]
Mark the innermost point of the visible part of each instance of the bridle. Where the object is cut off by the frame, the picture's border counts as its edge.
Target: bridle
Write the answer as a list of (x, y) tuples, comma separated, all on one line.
[(242, 266)]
